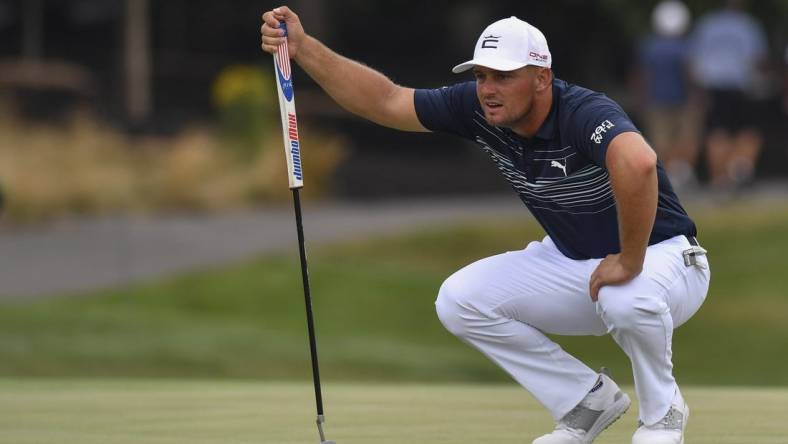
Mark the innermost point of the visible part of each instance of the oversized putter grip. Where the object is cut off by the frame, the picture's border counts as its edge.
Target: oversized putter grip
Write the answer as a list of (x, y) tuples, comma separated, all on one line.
[(284, 86)]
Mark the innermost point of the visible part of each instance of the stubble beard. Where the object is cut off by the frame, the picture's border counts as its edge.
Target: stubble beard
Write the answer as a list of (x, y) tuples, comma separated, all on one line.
[(510, 122)]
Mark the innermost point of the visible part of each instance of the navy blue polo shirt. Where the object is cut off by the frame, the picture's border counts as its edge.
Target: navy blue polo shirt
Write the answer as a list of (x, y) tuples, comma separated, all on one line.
[(560, 173)]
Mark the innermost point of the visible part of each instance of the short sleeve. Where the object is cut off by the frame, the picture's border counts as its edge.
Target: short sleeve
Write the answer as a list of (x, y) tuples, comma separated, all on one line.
[(448, 109), (596, 122)]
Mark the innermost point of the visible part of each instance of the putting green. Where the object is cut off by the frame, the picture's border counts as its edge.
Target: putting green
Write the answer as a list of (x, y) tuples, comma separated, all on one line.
[(197, 412)]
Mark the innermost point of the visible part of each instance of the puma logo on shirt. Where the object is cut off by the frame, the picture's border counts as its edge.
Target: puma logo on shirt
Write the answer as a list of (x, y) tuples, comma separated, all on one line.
[(557, 164)]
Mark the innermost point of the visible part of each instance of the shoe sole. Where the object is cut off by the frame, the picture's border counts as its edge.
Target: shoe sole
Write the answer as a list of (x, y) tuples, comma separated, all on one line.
[(608, 417)]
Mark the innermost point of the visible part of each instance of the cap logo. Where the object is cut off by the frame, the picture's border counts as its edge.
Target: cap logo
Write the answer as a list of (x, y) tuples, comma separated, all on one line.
[(537, 56), (490, 41)]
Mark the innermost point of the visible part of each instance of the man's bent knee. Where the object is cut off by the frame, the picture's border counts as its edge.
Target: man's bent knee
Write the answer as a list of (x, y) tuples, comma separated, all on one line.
[(625, 312), (453, 306)]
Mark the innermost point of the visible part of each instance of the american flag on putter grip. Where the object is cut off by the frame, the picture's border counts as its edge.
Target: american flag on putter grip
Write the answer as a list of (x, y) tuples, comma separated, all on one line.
[(283, 59)]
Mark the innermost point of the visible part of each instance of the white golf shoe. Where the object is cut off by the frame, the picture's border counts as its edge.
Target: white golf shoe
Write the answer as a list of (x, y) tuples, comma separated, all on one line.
[(602, 406), (670, 429)]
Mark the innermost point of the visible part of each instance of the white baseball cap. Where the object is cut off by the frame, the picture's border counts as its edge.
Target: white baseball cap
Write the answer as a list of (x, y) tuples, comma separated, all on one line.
[(670, 18), (507, 45)]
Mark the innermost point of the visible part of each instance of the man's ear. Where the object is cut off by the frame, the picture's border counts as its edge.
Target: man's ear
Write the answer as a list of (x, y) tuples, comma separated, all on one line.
[(544, 79)]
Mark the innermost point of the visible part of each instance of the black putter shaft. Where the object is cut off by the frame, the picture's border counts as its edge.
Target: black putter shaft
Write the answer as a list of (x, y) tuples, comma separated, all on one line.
[(287, 110), (310, 321)]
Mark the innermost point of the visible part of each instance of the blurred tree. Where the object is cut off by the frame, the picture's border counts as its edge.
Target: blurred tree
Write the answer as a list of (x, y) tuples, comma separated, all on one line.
[(33, 38), (246, 99), (137, 61)]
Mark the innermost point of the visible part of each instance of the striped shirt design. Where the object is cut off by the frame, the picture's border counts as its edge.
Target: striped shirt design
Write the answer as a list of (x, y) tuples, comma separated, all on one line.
[(560, 174)]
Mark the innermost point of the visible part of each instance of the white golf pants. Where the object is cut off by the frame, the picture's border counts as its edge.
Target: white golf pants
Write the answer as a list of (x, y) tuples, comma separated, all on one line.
[(503, 305)]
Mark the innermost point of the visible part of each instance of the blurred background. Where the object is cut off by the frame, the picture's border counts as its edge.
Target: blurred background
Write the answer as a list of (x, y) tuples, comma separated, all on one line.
[(146, 227)]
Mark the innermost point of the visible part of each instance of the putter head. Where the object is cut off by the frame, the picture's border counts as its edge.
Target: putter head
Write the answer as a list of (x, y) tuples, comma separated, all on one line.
[(328, 442)]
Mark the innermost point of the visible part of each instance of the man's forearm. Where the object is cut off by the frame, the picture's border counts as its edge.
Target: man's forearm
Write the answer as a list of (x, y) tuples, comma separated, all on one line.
[(637, 208), (354, 86), (633, 175)]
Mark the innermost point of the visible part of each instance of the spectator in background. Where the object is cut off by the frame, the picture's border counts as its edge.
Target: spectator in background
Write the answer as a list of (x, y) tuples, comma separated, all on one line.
[(671, 116), (728, 49)]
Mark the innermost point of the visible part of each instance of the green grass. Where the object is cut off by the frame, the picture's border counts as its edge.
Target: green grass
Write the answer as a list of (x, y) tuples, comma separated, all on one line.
[(200, 412), (375, 314)]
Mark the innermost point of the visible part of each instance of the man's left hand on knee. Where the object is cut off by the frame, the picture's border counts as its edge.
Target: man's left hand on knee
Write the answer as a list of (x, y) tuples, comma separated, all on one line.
[(611, 271)]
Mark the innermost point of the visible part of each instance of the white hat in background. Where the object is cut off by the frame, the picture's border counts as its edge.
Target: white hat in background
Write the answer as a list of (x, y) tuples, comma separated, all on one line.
[(670, 18), (507, 45)]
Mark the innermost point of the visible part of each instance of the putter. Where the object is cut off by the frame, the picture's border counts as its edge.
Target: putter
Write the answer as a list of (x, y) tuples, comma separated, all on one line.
[(284, 86)]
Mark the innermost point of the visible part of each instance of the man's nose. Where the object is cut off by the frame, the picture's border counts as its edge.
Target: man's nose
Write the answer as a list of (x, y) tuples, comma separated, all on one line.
[(486, 87)]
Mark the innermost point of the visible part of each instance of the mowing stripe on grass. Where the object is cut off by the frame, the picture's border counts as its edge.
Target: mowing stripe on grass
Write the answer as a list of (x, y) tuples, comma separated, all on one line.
[(203, 412)]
